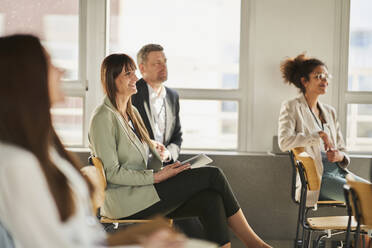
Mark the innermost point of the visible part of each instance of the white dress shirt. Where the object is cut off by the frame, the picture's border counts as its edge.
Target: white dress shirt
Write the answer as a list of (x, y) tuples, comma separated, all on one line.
[(28, 210), (157, 105)]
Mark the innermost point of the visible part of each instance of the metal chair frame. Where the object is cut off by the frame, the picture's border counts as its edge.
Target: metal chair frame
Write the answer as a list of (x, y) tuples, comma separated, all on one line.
[(350, 194), (115, 222), (307, 231)]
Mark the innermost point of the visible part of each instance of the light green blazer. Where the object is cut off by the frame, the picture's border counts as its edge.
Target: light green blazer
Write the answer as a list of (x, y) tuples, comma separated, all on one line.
[(130, 179)]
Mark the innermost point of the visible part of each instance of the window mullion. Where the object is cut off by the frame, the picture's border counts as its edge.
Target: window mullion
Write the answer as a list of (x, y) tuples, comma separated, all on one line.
[(208, 94), (83, 43), (95, 53), (344, 19), (246, 54)]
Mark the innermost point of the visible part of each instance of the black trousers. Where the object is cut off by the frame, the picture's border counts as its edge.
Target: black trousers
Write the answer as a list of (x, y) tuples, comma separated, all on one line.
[(202, 192)]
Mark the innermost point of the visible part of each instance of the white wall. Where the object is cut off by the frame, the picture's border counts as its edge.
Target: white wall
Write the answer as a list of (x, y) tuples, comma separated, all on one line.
[(281, 28)]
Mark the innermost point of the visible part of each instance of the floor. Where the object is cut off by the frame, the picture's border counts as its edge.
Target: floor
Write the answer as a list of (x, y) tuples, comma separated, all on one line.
[(281, 243), (274, 243)]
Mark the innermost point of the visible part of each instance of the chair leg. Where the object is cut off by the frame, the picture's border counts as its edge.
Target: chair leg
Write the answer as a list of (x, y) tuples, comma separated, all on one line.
[(297, 243), (304, 232), (318, 240), (347, 241), (356, 236), (298, 229), (309, 236)]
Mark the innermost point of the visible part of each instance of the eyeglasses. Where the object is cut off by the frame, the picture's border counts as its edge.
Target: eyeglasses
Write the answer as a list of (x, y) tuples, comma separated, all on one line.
[(322, 76)]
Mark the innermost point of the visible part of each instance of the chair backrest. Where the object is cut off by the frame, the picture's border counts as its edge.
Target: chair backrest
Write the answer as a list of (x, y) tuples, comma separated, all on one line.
[(363, 192), (294, 173), (97, 162), (93, 174), (313, 181)]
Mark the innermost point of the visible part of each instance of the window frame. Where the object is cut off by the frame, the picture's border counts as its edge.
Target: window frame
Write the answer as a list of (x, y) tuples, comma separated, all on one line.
[(345, 96), (92, 47), (241, 95), (79, 87)]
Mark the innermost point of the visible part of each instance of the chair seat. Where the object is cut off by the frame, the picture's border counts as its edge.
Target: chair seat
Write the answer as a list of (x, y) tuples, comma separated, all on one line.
[(366, 228), (108, 220), (331, 202), (331, 222)]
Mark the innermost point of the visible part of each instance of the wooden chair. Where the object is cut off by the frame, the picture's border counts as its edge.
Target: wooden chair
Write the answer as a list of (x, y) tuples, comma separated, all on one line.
[(312, 177), (330, 225), (358, 197), (314, 184), (96, 174)]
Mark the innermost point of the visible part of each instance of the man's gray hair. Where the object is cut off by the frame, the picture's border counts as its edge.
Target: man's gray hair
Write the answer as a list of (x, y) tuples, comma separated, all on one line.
[(145, 50)]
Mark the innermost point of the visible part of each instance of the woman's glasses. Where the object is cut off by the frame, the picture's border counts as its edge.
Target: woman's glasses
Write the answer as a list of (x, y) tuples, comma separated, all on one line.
[(322, 76)]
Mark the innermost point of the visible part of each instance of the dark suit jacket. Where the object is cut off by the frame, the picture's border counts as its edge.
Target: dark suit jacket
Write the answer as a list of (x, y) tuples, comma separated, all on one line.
[(173, 133), (173, 140)]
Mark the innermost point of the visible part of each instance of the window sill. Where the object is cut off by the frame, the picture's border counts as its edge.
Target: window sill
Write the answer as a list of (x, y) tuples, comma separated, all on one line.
[(224, 153)]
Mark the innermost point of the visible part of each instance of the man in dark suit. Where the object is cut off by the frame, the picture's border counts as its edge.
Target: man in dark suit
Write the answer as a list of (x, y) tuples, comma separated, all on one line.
[(158, 105), (159, 108)]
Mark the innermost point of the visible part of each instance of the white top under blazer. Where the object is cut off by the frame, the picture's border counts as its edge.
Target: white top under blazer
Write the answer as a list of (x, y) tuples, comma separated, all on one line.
[(28, 210), (297, 128)]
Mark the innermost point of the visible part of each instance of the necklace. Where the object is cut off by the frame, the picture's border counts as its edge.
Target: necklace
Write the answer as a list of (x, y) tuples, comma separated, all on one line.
[(320, 125)]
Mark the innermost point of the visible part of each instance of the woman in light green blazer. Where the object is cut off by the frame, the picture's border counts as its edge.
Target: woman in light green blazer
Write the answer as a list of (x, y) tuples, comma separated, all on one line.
[(137, 185), (125, 160)]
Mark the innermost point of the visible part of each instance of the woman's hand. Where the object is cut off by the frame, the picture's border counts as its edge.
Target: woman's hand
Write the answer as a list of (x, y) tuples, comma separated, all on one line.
[(170, 171), (164, 239), (335, 155), (328, 145)]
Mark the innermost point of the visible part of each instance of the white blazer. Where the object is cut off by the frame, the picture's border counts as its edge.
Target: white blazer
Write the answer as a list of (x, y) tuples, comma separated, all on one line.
[(298, 129)]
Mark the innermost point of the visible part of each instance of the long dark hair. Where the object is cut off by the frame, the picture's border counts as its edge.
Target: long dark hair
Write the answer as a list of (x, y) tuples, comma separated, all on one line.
[(111, 67), (25, 112)]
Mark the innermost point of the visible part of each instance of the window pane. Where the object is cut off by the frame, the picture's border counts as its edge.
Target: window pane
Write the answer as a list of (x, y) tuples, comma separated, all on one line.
[(209, 124), (200, 38), (55, 22), (68, 121), (360, 46), (359, 123)]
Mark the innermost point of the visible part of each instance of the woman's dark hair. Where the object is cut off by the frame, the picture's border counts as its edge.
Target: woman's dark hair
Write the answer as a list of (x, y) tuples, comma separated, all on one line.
[(25, 112), (293, 69), (111, 67)]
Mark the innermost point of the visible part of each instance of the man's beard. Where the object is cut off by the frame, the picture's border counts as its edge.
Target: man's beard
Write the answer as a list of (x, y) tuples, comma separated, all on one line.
[(163, 78)]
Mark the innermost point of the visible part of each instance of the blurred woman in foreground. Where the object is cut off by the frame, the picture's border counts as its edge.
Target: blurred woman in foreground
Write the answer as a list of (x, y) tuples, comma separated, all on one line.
[(44, 199)]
